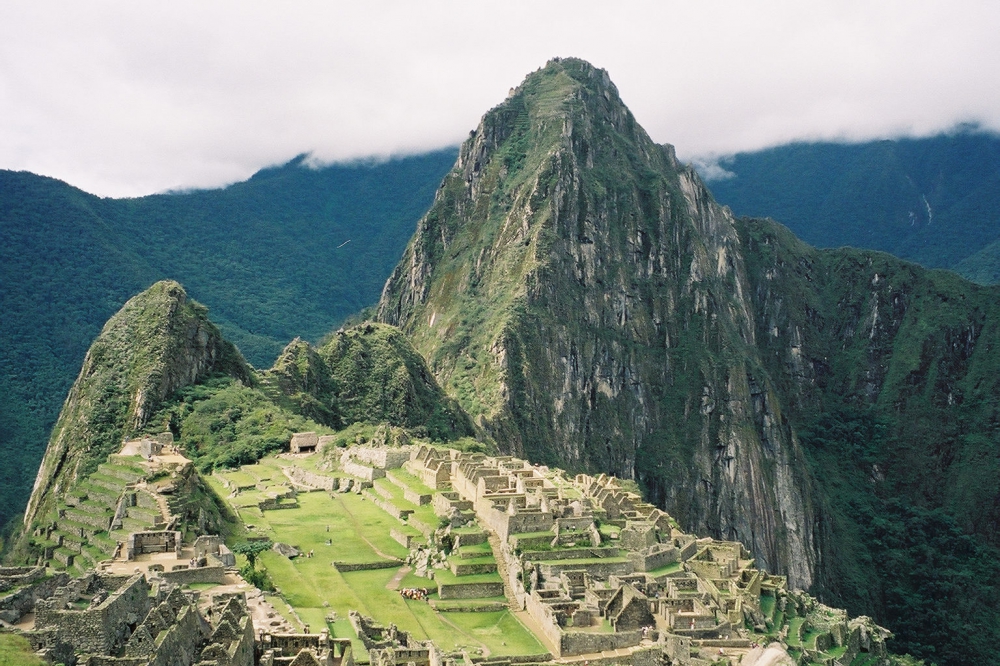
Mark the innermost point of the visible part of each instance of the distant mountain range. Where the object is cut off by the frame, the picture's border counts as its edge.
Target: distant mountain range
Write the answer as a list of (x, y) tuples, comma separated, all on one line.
[(935, 201), (573, 295), (294, 250), (290, 252)]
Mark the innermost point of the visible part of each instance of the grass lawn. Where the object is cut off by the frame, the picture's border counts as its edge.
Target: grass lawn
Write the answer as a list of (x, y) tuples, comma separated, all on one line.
[(794, 626), (412, 482), (778, 622), (767, 603), (15, 651), (238, 477), (669, 569), (359, 533), (446, 577), (479, 550), (501, 631)]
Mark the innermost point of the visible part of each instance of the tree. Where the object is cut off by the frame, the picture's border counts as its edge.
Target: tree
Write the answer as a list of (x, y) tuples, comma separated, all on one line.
[(250, 550)]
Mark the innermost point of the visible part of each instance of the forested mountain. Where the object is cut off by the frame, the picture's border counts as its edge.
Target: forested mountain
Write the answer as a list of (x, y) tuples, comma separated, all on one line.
[(932, 200), (577, 296), (586, 300), (290, 252)]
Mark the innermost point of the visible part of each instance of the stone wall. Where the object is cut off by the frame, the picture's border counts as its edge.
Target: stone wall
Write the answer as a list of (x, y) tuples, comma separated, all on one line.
[(15, 605), (100, 629), (460, 568), (445, 501), (382, 457), (413, 497), (583, 642), (232, 640), (348, 466), (388, 507), (141, 543), (307, 478), (368, 566), (178, 644), (654, 558), (600, 570), (210, 574), (469, 590), (528, 521), (404, 540)]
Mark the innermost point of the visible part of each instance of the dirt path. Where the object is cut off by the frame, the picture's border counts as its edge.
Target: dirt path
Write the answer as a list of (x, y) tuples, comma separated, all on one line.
[(398, 578), (502, 570)]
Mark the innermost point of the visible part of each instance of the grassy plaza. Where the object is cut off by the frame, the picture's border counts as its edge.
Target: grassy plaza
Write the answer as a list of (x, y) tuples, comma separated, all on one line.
[(358, 532)]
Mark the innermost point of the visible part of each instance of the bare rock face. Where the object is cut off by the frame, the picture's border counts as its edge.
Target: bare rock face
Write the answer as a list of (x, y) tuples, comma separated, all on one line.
[(581, 294), (157, 343)]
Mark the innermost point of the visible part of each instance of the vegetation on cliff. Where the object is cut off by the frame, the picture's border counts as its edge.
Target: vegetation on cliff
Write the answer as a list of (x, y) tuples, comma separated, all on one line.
[(934, 200), (889, 372), (266, 255), (159, 342), (579, 293)]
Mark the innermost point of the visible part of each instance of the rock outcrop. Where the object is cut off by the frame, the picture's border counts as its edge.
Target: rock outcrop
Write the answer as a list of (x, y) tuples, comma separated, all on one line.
[(581, 294)]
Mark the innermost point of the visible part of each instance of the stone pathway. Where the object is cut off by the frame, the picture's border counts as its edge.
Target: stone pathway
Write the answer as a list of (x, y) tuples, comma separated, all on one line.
[(502, 570)]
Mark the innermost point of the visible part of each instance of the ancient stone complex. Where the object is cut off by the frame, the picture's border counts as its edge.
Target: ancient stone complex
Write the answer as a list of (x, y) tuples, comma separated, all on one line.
[(588, 567)]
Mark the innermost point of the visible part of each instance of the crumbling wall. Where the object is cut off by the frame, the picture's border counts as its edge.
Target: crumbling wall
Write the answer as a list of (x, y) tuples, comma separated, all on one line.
[(100, 629)]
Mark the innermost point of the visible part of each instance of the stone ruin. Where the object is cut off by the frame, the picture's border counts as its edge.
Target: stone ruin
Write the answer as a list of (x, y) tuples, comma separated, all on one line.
[(305, 650), (147, 543), (107, 620), (601, 571), (391, 646), (304, 442)]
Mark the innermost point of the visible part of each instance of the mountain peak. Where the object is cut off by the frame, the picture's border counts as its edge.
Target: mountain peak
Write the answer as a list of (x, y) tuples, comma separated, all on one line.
[(157, 343), (566, 267)]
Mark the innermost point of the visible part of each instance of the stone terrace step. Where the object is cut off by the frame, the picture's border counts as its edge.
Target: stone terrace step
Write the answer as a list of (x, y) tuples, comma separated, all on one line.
[(63, 556), (103, 543), (112, 483), (133, 525), (125, 473), (70, 541), (95, 508), (69, 526), (96, 492), (86, 559), (100, 522), (142, 513)]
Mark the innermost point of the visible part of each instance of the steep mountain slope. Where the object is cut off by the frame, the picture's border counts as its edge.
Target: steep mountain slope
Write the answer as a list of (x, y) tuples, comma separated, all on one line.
[(932, 200), (160, 364), (591, 306), (585, 299), (157, 343), (889, 374), (264, 255)]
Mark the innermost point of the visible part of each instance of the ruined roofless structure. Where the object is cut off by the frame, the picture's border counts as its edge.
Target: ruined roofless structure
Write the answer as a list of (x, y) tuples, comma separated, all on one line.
[(601, 571)]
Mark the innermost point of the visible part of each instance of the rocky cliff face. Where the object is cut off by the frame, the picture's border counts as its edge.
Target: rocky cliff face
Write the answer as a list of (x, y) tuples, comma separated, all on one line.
[(157, 343), (585, 299)]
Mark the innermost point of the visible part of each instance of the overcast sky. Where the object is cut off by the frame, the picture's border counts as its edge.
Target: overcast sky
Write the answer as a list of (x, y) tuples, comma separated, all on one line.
[(130, 97)]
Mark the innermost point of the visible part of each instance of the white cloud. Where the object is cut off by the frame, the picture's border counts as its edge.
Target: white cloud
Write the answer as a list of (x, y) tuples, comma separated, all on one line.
[(125, 98)]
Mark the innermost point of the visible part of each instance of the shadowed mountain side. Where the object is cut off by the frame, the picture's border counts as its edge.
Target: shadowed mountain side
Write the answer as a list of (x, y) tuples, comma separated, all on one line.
[(933, 200)]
